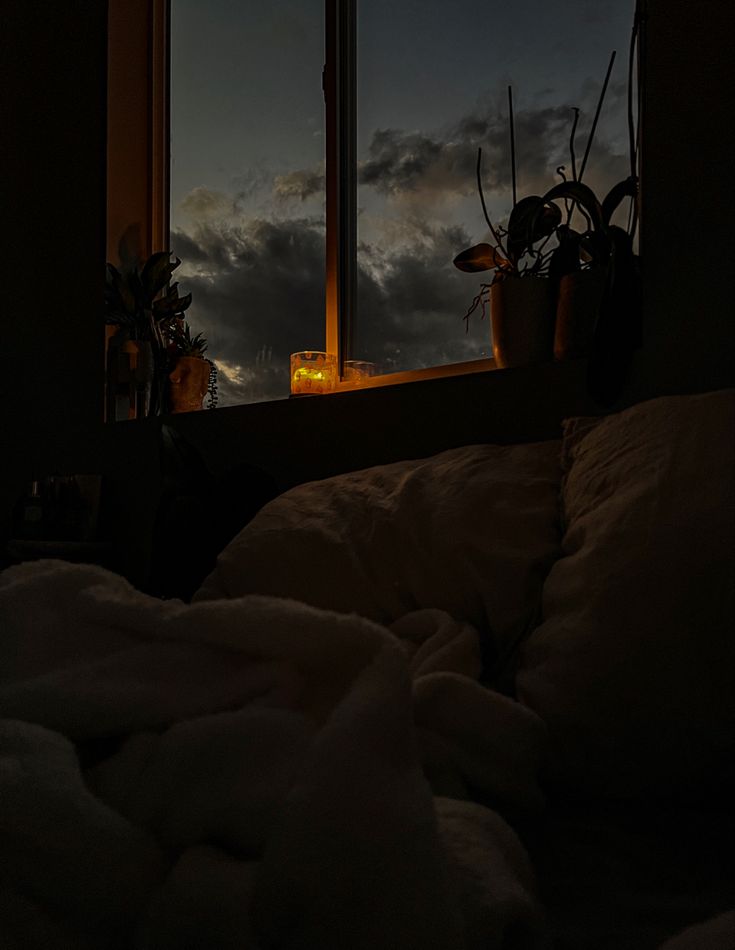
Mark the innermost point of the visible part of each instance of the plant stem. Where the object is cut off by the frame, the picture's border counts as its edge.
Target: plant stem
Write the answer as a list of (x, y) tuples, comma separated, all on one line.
[(512, 143), (484, 206), (632, 125), (597, 116), (571, 143)]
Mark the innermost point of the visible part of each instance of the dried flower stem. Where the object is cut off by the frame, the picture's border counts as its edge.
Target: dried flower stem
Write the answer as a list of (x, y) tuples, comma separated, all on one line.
[(597, 116), (512, 143), (571, 143), (494, 233), (632, 124)]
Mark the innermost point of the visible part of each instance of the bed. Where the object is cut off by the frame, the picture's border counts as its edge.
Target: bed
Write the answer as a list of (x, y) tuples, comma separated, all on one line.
[(483, 699)]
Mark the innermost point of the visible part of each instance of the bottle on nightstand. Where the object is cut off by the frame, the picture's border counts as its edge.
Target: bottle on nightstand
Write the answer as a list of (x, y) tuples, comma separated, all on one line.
[(28, 520)]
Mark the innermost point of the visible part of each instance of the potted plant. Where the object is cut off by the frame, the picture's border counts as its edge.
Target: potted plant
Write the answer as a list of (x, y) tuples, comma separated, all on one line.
[(522, 299), (142, 305), (595, 269), (586, 298), (192, 375)]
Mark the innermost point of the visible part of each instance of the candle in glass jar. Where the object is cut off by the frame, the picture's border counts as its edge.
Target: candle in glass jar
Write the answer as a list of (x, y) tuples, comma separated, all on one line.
[(313, 371)]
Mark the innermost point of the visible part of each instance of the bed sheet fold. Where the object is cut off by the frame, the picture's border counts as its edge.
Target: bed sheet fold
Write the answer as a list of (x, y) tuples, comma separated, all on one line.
[(265, 776)]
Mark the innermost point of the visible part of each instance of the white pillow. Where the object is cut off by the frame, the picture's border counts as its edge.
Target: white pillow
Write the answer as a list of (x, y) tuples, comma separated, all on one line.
[(633, 666), (472, 531)]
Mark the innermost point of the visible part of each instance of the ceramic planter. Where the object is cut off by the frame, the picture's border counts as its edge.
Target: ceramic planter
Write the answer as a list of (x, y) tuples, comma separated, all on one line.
[(188, 384), (522, 312), (580, 298)]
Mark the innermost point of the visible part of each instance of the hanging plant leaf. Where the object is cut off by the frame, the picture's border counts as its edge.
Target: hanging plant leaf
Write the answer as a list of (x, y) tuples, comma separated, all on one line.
[(532, 219), (583, 195), (628, 188), (167, 307), (157, 271), (479, 257)]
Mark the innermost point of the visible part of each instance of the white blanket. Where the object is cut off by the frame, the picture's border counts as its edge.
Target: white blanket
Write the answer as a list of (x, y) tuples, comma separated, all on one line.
[(274, 778)]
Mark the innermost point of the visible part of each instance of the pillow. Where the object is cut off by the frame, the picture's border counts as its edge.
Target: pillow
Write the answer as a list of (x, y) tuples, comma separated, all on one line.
[(633, 665), (472, 531)]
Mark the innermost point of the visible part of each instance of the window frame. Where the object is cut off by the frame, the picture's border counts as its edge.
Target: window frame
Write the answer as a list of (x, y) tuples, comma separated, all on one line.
[(340, 97), (138, 133)]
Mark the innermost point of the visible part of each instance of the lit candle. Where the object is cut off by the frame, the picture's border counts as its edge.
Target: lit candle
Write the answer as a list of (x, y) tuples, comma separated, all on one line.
[(313, 372)]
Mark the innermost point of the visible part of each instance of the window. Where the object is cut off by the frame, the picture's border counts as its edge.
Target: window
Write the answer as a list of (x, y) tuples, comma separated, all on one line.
[(432, 87), (247, 184), (270, 191)]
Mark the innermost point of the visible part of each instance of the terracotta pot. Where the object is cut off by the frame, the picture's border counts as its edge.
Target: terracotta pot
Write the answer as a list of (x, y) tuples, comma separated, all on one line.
[(522, 313), (580, 298), (188, 384)]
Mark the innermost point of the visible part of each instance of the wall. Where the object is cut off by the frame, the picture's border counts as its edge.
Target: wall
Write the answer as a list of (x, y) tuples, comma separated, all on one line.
[(53, 68), (688, 186), (52, 84), (53, 115)]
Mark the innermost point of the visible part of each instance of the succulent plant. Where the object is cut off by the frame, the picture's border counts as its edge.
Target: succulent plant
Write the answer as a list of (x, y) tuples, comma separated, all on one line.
[(182, 343)]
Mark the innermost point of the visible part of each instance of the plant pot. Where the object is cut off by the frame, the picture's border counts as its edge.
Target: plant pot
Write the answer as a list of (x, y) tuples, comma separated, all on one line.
[(188, 384), (130, 375), (522, 313), (577, 309)]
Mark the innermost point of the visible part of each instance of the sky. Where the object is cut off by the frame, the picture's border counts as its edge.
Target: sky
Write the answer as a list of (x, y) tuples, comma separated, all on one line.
[(247, 175)]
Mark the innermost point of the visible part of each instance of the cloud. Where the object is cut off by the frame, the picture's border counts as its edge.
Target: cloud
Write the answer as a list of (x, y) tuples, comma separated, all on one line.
[(300, 184), (412, 302), (258, 295), (400, 162), (203, 204)]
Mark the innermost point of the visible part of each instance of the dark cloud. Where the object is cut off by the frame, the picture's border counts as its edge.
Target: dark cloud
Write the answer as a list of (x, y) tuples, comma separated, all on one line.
[(204, 203), (399, 161), (258, 295), (299, 184), (411, 304)]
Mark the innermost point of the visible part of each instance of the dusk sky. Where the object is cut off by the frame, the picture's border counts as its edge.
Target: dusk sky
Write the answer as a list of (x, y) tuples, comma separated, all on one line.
[(247, 188)]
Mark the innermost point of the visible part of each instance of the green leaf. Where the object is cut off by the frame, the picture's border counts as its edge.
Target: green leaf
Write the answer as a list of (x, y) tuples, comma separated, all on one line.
[(479, 257), (171, 305), (583, 195), (628, 188), (157, 272), (531, 220)]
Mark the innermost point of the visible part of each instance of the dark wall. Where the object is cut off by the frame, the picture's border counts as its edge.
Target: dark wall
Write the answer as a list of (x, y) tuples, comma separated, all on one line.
[(52, 166), (688, 186), (52, 84)]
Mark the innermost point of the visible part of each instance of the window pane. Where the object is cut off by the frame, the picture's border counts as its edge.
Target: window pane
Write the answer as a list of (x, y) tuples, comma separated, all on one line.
[(433, 86), (247, 184)]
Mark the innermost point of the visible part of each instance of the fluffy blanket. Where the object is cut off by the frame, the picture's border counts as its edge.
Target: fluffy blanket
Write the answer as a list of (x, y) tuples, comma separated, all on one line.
[(252, 773)]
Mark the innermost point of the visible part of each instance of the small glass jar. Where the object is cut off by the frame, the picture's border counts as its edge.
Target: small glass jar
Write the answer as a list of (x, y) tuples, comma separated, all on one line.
[(357, 371), (313, 372)]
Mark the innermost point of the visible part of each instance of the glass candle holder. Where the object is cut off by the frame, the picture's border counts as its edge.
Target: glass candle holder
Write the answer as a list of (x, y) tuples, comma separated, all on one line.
[(313, 372), (357, 371)]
